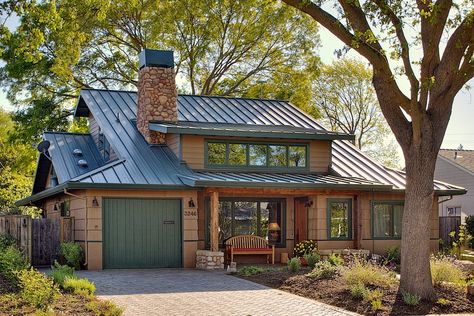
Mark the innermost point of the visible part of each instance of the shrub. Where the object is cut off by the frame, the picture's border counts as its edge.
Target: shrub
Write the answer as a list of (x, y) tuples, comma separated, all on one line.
[(323, 270), (251, 270), (11, 260), (376, 305), (372, 295), (60, 272), (358, 290), (470, 228), (79, 286), (6, 241), (444, 270), (312, 259), (335, 260), (443, 302), (294, 264), (72, 253), (104, 308), (366, 273), (410, 299), (305, 247), (38, 290), (392, 255)]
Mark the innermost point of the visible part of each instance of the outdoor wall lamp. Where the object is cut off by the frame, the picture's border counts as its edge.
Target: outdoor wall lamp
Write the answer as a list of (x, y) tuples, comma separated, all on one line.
[(191, 203), (309, 203), (55, 207), (95, 202)]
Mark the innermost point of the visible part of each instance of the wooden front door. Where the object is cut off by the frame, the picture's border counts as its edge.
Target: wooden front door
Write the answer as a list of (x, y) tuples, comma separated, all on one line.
[(301, 219)]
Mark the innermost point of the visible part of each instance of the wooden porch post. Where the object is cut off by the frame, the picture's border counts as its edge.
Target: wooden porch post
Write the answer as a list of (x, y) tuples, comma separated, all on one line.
[(214, 221), (357, 222)]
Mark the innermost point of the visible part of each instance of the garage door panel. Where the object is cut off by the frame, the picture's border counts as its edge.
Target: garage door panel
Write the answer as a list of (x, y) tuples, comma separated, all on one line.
[(142, 233)]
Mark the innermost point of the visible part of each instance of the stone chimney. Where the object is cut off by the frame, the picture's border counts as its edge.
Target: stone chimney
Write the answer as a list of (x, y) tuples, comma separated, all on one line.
[(157, 95)]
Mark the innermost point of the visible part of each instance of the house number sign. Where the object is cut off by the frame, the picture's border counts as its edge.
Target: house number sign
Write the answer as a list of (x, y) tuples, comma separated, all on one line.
[(190, 213)]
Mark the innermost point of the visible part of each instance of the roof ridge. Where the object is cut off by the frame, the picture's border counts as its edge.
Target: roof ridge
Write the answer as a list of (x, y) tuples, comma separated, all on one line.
[(449, 149), (67, 133)]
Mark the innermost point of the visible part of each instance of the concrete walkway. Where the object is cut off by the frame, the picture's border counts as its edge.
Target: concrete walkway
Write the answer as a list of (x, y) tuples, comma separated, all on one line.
[(194, 292)]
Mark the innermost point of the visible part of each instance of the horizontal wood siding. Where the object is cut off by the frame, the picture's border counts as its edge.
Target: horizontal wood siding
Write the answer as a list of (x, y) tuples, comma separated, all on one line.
[(173, 141), (192, 150)]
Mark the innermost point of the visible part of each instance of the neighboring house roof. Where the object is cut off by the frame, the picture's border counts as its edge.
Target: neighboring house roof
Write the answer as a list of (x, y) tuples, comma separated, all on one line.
[(463, 158), (141, 165)]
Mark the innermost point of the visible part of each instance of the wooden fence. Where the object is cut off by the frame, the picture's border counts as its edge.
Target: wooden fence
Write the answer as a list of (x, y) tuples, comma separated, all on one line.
[(447, 224), (38, 238)]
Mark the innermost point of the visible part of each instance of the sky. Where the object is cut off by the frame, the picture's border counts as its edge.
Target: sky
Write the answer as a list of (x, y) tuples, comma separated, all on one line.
[(461, 126)]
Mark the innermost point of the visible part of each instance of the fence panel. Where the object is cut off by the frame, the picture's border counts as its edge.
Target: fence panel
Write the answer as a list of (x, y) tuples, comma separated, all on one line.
[(45, 241), (447, 224), (19, 227)]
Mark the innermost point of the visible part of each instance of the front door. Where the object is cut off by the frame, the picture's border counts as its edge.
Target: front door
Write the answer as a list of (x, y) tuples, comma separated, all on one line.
[(301, 219)]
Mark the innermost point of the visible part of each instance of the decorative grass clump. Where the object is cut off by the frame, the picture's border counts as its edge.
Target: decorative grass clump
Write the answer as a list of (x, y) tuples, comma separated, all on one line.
[(323, 270), (366, 273), (294, 264), (411, 299), (444, 270), (251, 270), (79, 286)]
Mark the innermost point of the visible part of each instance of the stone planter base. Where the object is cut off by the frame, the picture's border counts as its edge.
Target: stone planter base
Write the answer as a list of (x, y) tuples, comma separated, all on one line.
[(209, 260)]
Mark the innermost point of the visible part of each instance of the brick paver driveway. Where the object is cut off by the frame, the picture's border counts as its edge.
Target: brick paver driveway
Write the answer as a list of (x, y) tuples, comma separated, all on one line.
[(194, 292)]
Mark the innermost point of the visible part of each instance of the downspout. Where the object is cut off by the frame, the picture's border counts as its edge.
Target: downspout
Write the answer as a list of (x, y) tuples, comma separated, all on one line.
[(86, 250)]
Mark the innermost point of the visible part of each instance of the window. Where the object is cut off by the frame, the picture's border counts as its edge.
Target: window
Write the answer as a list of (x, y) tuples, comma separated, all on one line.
[(103, 146), (454, 211), (339, 218), (216, 153), (256, 155), (65, 209), (250, 217), (387, 219)]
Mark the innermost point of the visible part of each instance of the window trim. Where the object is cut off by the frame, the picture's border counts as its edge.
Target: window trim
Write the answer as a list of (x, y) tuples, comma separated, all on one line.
[(283, 202), (328, 218), (372, 218), (267, 167)]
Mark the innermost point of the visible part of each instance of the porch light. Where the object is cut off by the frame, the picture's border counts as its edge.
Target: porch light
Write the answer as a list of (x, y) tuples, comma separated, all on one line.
[(95, 202), (55, 207), (191, 203), (274, 227)]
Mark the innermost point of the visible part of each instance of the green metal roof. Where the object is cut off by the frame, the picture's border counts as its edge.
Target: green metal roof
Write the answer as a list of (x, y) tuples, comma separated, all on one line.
[(246, 130)]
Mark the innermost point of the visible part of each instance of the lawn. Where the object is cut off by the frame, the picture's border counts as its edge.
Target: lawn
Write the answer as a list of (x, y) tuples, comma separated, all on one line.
[(367, 288)]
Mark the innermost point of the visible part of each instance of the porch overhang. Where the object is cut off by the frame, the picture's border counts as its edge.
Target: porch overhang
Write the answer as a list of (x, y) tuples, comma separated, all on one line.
[(277, 180)]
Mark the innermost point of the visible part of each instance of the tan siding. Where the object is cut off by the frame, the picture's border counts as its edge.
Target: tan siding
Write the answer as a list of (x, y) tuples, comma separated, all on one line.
[(173, 142), (193, 151)]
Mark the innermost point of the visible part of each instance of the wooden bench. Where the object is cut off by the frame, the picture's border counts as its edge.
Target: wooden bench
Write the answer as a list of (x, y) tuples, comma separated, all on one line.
[(249, 245)]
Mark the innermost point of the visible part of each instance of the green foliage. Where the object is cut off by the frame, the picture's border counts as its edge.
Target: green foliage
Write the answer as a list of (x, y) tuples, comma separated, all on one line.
[(294, 264), (60, 272), (443, 302), (36, 289), (349, 104), (376, 305), (372, 295), (443, 269), (392, 255), (104, 308), (470, 229), (251, 270), (72, 253), (305, 247), (312, 259), (323, 270), (366, 273), (6, 241), (461, 240), (411, 299), (79, 286), (335, 260), (12, 261), (253, 48), (358, 290)]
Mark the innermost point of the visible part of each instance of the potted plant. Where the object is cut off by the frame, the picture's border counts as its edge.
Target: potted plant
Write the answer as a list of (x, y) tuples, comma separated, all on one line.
[(303, 248)]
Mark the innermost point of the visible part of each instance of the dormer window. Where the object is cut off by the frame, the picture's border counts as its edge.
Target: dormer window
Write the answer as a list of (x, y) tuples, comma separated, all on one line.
[(227, 154), (103, 146)]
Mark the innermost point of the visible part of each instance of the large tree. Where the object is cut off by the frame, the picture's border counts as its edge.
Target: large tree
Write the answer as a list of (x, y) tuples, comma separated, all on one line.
[(348, 103), (383, 30), (222, 47)]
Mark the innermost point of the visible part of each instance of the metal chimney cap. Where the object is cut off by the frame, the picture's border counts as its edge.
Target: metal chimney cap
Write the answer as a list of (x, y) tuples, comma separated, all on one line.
[(156, 58)]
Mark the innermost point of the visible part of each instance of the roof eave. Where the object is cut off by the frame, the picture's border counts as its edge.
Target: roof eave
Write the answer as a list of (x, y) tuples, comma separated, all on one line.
[(236, 133)]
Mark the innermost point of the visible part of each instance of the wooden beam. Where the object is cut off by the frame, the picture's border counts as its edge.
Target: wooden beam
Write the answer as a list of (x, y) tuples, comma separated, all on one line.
[(214, 221), (255, 192)]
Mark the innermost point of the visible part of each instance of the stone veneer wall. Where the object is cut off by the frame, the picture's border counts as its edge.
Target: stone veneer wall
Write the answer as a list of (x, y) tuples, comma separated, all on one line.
[(157, 100), (209, 260)]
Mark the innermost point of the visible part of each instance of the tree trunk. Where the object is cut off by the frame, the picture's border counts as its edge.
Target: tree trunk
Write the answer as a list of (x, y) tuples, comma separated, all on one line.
[(416, 226)]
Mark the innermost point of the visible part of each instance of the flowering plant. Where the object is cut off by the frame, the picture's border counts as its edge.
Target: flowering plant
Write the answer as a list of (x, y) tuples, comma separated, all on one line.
[(305, 247)]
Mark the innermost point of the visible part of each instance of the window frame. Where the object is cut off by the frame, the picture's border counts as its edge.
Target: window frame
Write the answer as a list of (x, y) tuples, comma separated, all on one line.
[(372, 218), (281, 244), (328, 218), (247, 165)]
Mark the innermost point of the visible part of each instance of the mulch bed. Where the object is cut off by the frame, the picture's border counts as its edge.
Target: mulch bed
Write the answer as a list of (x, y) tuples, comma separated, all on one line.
[(335, 292)]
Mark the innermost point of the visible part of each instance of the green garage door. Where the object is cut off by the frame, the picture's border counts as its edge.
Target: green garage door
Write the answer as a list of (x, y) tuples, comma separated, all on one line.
[(142, 233)]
